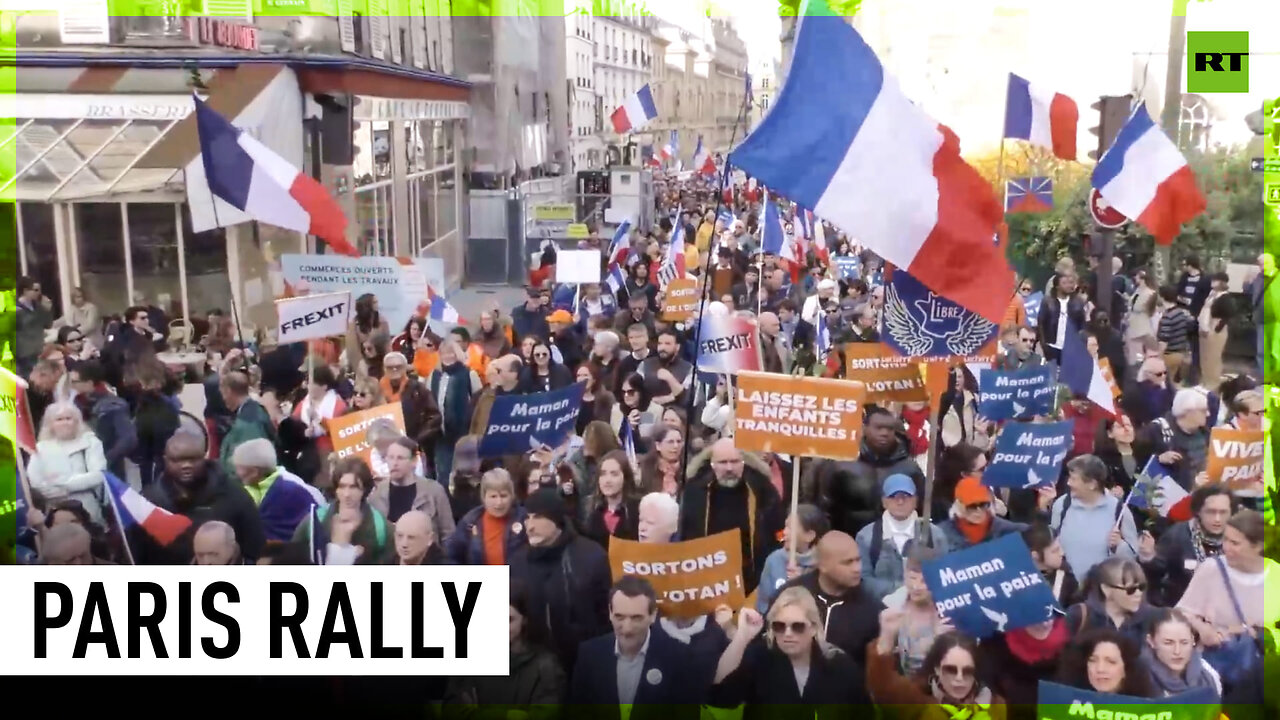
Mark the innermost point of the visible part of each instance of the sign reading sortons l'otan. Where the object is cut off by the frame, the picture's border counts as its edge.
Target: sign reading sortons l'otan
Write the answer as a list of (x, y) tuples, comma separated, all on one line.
[(691, 578), (816, 417), (239, 620), (348, 432)]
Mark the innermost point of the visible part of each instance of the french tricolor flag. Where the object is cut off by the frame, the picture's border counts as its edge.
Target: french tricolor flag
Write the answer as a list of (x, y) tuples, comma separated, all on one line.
[(774, 240), (635, 112), (878, 167), (620, 245), (702, 160), (1145, 176), (669, 150), (441, 310), (1041, 116), (249, 176), (134, 510)]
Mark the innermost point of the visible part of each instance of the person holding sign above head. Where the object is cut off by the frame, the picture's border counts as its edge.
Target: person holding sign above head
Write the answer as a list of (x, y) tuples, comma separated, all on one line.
[(635, 667), (1173, 657), (1091, 523), (791, 665), (1105, 661), (973, 520), (947, 686), (885, 542), (491, 533)]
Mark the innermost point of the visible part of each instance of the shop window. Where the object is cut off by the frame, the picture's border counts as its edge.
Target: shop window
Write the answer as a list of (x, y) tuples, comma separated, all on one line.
[(41, 249), (153, 248), (208, 280), (374, 217), (99, 240), (446, 204), (427, 207)]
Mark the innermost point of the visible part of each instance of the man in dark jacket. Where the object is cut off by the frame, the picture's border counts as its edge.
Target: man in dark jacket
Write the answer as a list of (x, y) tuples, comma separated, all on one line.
[(198, 489), (1061, 305), (1170, 563), (635, 665), (31, 320), (850, 492), (850, 614), (568, 576), (107, 413), (733, 496), (531, 317)]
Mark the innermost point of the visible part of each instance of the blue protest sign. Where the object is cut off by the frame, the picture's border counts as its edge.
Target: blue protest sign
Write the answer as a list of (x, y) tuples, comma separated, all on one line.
[(1009, 395), (520, 423), (922, 324), (1063, 702), (1032, 304), (1029, 455), (848, 266), (989, 588)]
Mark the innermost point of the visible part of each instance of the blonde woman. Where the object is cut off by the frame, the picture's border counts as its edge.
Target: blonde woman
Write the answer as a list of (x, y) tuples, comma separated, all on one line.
[(491, 533), (69, 460), (790, 664), (367, 395)]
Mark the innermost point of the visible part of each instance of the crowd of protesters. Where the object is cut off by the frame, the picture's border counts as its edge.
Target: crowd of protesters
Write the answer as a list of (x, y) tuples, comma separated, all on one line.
[(848, 621)]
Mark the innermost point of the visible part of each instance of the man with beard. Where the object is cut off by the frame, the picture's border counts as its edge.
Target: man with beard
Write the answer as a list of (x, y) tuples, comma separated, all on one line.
[(733, 496), (667, 375), (198, 489), (851, 492)]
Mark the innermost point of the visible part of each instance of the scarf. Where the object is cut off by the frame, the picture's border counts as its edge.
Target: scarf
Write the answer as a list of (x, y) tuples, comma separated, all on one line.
[(1170, 683), (975, 534), (1031, 650), (1205, 546)]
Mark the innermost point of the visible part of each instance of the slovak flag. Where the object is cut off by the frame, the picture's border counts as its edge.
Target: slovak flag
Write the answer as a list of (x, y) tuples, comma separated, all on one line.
[(702, 160), (669, 150), (774, 240), (441, 310), (878, 167), (1145, 177), (249, 176), (1041, 116), (134, 510), (620, 246), (635, 112)]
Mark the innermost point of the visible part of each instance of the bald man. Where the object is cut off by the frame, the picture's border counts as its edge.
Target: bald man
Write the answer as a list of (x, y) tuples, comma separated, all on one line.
[(849, 612), (215, 544), (416, 541), (720, 498), (68, 544)]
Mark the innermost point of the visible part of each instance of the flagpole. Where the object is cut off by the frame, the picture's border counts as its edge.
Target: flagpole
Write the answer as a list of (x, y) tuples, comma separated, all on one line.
[(115, 511), (706, 285)]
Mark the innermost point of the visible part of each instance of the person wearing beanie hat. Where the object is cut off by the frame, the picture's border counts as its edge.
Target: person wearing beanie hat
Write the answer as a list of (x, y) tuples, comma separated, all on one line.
[(886, 542), (568, 576), (464, 481), (973, 519)]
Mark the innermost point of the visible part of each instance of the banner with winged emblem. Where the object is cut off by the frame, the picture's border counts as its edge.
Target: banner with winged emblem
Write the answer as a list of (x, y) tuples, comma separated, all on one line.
[(918, 323)]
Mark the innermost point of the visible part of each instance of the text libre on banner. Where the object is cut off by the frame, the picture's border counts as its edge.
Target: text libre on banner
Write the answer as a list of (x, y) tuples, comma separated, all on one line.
[(799, 416)]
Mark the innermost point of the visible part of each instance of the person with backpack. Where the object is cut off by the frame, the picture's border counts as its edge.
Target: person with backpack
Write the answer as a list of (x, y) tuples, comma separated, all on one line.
[(886, 542), (1180, 438), (347, 531), (1091, 523)]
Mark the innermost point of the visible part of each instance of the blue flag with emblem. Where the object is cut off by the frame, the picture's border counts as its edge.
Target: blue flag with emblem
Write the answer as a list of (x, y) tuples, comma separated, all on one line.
[(1015, 394), (1029, 455), (848, 266), (989, 588), (919, 323)]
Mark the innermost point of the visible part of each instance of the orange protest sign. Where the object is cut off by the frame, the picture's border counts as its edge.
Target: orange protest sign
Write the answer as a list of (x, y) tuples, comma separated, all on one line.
[(799, 415), (691, 578), (347, 432), (888, 378), (1105, 364), (1235, 457), (681, 300)]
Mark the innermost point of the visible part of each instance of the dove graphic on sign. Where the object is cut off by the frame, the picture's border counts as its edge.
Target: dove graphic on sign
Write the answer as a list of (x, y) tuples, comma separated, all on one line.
[(999, 618), (1019, 409), (1033, 480)]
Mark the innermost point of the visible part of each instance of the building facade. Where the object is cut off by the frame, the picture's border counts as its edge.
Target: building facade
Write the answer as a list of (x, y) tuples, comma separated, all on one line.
[(110, 187), (586, 146), (699, 91)]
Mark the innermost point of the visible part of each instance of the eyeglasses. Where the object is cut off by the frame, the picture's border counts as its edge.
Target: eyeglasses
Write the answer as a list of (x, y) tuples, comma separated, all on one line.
[(393, 367), (978, 506), (780, 628), (964, 673), (1130, 589), (542, 355)]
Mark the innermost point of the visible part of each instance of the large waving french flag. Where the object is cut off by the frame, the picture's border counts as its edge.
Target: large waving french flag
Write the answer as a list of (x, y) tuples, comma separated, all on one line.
[(1145, 176), (134, 510), (635, 112), (249, 176), (1041, 116), (844, 141)]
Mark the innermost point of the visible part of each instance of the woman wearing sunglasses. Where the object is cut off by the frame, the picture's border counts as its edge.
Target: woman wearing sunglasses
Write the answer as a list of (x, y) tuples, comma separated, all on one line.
[(1115, 597), (1106, 661), (946, 687), (789, 672)]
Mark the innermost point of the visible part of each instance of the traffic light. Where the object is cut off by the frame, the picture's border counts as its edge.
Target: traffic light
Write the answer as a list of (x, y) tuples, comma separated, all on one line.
[(1113, 112)]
